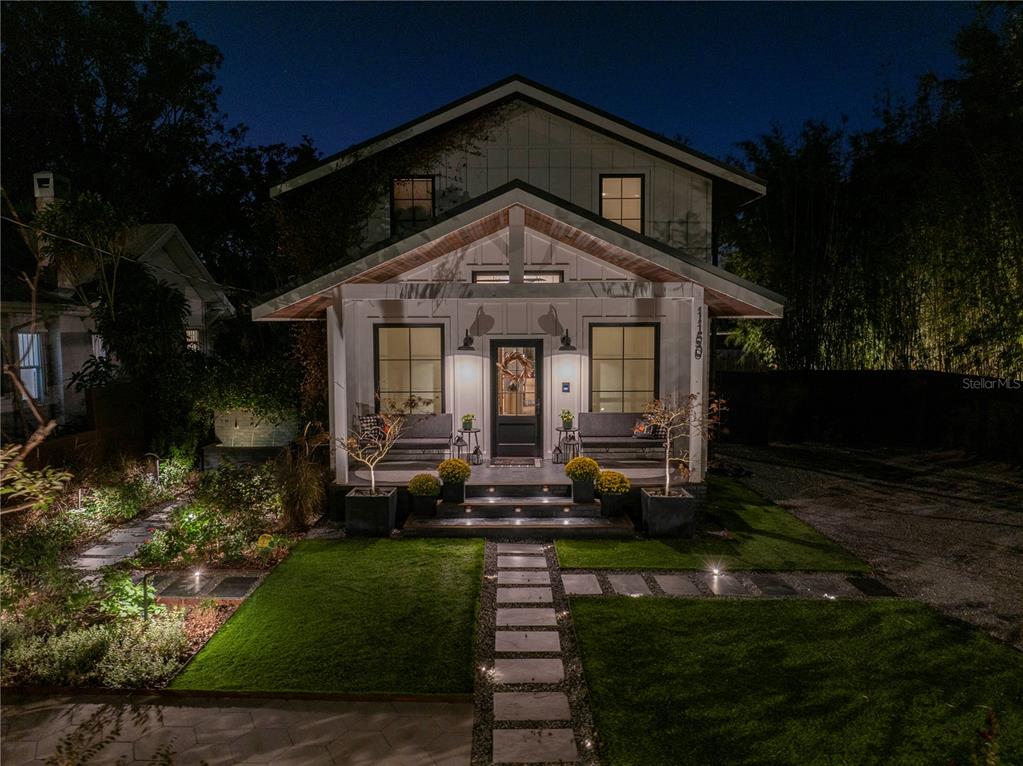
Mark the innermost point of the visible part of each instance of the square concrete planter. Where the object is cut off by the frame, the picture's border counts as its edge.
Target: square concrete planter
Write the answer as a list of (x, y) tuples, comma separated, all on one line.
[(671, 515), (424, 507), (582, 491), (614, 505), (453, 493), (369, 515)]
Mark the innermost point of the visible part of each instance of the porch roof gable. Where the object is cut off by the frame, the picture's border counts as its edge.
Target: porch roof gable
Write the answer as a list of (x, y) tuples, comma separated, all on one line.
[(725, 293)]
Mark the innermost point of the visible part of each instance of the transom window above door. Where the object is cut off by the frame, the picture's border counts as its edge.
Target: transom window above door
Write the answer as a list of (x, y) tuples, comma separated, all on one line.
[(412, 203), (623, 367), (621, 200), (503, 278), (409, 367)]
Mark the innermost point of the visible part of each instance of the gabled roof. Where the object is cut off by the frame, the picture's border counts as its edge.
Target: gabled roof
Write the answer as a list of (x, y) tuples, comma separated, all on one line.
[(147, 239), (725, 293), (517, 87)]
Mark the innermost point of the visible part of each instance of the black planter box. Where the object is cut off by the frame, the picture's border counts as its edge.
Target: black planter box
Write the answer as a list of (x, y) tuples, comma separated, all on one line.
[(370, 515), (582, 491), (424, 507), (669, 515), (613, 505), (453, 493)]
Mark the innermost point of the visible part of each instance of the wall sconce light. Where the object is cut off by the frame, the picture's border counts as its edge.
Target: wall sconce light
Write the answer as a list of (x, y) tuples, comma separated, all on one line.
[(466, 342), (566, 342)]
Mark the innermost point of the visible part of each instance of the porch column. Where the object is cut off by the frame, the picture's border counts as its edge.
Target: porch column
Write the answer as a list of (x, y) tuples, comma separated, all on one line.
[(337, 395), (698, 371), (516, 244)]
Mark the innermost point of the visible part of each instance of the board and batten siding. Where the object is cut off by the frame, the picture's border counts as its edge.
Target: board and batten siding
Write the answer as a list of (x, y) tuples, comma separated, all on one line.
[(567, 159), (467, 374)]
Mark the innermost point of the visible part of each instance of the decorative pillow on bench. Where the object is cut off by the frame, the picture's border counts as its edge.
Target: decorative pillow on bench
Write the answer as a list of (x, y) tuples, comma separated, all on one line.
[(372, 427), (645, 430)]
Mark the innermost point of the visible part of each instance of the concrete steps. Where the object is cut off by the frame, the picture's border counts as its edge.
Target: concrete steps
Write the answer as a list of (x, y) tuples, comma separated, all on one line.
[(518, 507), (524, 526)]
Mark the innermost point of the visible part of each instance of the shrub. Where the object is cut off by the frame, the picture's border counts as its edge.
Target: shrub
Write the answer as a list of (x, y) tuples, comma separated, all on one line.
[(162, 548), (142, 653), (64, 659), (613, 483), (303, 488), (242, 491), (454, 471), (424, 485), (176, 468), (125, 598), (582, 469)]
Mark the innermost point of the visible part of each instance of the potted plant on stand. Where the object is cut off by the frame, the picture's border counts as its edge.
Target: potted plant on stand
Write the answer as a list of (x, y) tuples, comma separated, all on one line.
[(671, 511), (424, 489), (467, 421), (614, 488), (368, 510), (566, 419), (454, 473), (583, 472)]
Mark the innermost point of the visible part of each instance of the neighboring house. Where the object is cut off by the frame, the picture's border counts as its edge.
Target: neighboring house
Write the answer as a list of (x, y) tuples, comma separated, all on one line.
[(566, 241), (63, 337)]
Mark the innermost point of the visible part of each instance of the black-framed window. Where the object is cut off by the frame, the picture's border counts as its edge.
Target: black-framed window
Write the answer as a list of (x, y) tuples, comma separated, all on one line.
[(530, 277), (412, 203), (621, 200), (624, 366), (408, 365)]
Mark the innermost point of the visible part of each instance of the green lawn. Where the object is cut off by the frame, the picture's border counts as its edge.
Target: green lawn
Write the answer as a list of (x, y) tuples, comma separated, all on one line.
[(767, 537), (793, 682), (353, 616)]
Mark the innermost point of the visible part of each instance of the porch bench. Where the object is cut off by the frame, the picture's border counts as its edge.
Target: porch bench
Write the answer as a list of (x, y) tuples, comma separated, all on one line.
[(612, 431), (426, 433)]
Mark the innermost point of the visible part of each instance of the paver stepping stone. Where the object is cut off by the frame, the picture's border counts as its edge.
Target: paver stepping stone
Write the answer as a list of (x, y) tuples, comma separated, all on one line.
[(531, 706), (118, 550), (725, 585), (527, 641), (581, 584), (527, 616), (770, 585), (185, 586), (528, 671), (534, 746), (677, 585), (532, 548), (629, 584), (869, 586), (521, 562), (127, 536), (235, 586), (92, 563), (524, 595), (523, 577)]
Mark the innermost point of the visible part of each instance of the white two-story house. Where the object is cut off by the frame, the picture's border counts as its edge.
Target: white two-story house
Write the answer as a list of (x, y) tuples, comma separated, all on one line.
[(561, 239)]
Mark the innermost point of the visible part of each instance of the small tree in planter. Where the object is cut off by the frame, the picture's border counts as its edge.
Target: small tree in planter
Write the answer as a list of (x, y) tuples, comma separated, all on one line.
[(454, 473), (672, 511), (424, 488), (583, 472), (369, 511), (614, 488)]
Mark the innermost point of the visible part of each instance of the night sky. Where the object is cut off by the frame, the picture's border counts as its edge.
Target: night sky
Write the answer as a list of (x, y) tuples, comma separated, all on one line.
[(713, 73)]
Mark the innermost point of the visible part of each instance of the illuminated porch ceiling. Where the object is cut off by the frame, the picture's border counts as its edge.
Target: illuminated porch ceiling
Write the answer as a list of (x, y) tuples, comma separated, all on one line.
[(725, 294)]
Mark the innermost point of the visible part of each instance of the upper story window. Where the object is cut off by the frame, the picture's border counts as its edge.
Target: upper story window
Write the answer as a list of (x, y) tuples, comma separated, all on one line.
[(621, 200), (30, 362), (193, 338), (411, 203), (502, 277)]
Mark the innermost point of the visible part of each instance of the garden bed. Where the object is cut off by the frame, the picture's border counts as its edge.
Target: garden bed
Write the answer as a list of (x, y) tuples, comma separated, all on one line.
[(794, 682), (359, 616), (739, 530)]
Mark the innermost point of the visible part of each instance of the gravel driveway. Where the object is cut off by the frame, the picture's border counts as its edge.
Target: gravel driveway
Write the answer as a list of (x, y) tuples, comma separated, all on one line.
[(940, 527)]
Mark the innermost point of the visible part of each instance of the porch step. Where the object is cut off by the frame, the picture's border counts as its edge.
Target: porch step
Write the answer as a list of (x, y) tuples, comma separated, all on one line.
[(512, 507), (505, 528), (518, 490)]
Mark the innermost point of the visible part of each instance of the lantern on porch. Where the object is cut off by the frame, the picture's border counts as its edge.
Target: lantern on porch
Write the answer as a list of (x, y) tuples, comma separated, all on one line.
[(477, 456), (557, 456)]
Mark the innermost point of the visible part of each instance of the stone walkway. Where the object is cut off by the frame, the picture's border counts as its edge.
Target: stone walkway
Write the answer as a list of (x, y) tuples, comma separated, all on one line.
[(806, 585), (226, 731), (122, 542), (531, 705)]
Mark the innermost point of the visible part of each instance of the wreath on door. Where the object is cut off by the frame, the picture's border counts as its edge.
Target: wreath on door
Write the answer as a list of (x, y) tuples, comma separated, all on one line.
[(515, 376)]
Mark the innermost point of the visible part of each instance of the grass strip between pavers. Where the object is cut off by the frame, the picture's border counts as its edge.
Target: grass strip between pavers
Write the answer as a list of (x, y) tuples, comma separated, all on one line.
[(793, 682), (358, 616), (766, 538)]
